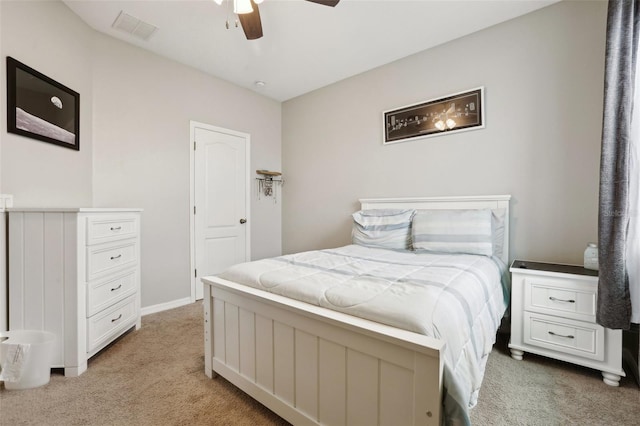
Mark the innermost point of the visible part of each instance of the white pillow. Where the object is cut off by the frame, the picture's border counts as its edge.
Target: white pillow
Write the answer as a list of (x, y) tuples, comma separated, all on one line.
[(383, 228), (453, 231), (497, 229)]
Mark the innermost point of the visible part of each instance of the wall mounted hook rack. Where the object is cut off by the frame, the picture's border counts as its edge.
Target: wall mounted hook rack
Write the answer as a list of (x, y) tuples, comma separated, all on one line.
[(267, 181)]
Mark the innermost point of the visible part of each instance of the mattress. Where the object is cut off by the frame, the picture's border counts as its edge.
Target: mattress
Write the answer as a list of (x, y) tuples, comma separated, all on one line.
[(457, 298)]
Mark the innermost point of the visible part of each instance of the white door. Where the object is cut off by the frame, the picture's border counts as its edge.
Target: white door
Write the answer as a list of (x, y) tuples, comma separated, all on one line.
[(221, 231)]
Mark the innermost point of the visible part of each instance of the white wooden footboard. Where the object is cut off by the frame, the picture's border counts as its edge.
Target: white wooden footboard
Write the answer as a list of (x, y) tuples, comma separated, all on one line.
[(315, 366)]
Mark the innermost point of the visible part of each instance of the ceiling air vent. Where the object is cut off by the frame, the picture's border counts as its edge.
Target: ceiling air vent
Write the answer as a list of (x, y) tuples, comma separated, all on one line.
[(134, 26)]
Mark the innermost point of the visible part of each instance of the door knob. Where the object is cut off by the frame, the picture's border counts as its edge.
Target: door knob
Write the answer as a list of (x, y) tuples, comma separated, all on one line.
[(243, 221)]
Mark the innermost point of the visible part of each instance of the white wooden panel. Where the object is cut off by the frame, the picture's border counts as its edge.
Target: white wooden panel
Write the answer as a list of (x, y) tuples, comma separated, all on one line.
[(4, 301), (332, 383), (219, 350), (16, 271), (33, 303), (220, 253), (345, 375), (75, 265), (221, 161), (427, 385), (232, 336), (306, 367), (283, 362), (396, 395), (247, 344), (207, 305), (264, 352), (54, 282), (335, 329), (362, 389)]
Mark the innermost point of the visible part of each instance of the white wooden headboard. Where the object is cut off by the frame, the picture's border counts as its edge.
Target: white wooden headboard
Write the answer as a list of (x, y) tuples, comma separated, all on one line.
[(461, 202)]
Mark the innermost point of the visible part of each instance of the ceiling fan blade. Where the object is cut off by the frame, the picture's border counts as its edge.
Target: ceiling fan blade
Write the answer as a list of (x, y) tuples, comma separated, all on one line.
[(331, 3), (251, 23)]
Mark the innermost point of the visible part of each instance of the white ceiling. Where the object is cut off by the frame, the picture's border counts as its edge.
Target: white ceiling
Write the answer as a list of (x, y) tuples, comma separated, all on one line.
[(305, 45)]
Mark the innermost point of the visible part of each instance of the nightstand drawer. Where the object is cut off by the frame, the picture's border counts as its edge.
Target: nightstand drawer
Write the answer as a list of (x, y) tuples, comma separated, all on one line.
[(564, 335), (554, 296)]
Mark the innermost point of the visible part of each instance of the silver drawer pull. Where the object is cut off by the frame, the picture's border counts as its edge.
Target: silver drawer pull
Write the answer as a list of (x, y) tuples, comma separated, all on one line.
[(116, 228), (115, 257), (116, 319), (561, 300), (117, 288), (560, 335)]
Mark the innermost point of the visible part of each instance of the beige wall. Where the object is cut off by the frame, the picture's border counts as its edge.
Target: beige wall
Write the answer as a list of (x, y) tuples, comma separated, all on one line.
[(134, 149), (143, 104), (49, 38), (543, 78)]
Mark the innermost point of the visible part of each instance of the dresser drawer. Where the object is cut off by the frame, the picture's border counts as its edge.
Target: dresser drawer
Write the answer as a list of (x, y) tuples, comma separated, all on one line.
[(103, 293), (101, 327), (103, 229), (554, 296), (564, 335), (104, 259)]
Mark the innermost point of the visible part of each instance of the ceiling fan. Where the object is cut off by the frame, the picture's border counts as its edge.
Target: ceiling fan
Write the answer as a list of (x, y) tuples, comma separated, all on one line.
[(249, 15)]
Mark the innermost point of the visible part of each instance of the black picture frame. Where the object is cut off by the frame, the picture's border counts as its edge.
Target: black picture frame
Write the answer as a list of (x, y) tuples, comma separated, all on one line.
[(40, 108), (450, 114)]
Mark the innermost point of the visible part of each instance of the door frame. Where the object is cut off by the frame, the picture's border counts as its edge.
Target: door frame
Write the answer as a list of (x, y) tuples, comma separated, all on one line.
[(193, 125)]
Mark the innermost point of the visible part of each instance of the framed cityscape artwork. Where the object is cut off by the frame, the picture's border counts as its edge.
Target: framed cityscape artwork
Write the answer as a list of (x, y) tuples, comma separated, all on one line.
[(454, 113)]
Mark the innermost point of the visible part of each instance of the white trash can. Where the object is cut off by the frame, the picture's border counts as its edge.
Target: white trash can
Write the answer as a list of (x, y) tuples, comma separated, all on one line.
[(27, 353)]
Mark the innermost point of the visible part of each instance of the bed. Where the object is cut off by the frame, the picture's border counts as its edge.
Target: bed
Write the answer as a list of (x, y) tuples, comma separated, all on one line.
[(387, 349)]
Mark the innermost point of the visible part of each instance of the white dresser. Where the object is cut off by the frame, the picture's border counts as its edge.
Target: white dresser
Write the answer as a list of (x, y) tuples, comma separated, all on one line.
[(76, 273), (553, 313)]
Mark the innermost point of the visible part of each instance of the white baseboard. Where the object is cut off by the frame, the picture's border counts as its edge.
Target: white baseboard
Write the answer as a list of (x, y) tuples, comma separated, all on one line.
[(165, 306)]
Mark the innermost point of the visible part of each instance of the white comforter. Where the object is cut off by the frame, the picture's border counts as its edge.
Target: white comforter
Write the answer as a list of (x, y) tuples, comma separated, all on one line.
[(457, 298)]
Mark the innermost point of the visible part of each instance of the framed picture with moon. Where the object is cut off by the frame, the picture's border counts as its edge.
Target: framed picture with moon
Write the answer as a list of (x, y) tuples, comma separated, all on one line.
[(454, 113), (40, 108)]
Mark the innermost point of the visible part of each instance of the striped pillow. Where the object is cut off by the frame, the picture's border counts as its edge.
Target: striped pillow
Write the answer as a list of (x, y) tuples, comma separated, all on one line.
[(453, 231), (383, 228)]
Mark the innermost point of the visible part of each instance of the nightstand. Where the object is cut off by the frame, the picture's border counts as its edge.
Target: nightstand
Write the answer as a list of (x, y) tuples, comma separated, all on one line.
[(553, 313)]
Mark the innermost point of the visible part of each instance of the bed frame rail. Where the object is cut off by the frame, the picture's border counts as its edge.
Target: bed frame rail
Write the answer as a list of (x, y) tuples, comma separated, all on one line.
[(311, 365)]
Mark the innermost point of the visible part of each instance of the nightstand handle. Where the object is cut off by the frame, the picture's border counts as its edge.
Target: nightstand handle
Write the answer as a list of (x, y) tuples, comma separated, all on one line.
[(561, 300), (560, 335)]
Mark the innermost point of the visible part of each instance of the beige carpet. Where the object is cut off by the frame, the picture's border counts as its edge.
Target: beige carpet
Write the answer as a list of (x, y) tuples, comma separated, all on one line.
[(155, 376)]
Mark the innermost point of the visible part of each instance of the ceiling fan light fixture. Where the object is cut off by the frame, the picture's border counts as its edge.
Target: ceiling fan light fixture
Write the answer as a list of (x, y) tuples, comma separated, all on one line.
[(242, 6)]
